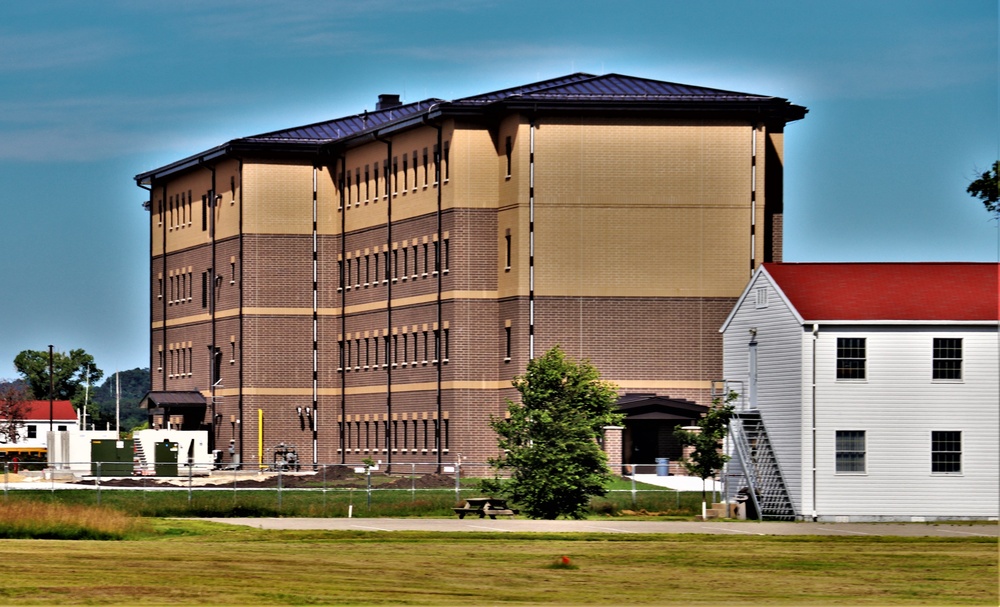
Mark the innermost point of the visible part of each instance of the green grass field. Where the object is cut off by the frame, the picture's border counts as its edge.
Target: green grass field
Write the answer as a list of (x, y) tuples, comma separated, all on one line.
[(186, 562)]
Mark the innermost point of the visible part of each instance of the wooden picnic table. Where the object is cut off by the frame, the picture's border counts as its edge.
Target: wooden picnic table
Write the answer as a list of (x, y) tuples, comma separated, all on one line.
[(485, 506)]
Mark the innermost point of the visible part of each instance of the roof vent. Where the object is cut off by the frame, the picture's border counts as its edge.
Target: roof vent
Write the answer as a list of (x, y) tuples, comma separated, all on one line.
[(387, 101)]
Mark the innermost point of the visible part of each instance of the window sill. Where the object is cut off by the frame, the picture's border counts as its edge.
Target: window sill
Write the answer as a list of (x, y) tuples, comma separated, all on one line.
[(947, 381)]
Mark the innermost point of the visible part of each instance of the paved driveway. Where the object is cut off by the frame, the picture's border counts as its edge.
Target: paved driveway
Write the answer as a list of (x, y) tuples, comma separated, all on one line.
[(616, 526)]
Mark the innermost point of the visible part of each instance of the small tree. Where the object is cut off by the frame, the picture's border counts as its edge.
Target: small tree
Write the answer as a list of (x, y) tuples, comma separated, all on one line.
[(707, 459), (987, 189), (13, 407), (550, 439)]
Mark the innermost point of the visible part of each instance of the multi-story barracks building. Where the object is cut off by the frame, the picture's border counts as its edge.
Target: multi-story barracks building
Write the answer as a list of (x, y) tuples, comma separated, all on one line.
[(367, 287)]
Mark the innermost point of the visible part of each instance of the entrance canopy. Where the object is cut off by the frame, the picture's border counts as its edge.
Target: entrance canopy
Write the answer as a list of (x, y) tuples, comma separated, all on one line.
[(653, 407)]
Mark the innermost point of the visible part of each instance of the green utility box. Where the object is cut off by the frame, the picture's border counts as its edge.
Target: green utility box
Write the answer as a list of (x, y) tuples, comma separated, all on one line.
[(165, 458), (116, 457)]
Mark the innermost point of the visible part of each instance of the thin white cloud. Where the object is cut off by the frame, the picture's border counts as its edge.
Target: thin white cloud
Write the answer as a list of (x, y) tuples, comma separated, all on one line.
[(57, 50)]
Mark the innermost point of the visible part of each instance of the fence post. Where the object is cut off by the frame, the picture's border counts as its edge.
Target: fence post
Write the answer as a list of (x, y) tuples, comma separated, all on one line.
[(98, 483), (368, 475), (5, 479), (633, 488), (458, 474), (413, 481), (190, 481), (279, 488)]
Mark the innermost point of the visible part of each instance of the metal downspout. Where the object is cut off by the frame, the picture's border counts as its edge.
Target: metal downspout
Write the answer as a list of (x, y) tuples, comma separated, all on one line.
[(213, 283), (390, 189), (239, 402), (163, 299), (531, 240), (815, 335), (440, 316), (343, 310), (315, 321)]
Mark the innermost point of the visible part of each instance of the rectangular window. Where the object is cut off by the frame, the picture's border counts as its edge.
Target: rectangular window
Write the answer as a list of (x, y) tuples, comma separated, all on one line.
[(204, 288), (414, 170), (447, 254), (447, 164), (387, 176), (395, 175), (851, 451), (760, 297), (850, 358), (507, 341), (415, 260), (508, 151), (367, 184), (946, 452), (426, 176), (204, 213), (947, 362), (32, 431), (406, 173), (385, 260), (375, 168), (507, 247)]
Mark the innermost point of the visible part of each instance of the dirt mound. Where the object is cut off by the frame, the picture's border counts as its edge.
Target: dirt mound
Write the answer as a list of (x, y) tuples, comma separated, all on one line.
[(426, 481)]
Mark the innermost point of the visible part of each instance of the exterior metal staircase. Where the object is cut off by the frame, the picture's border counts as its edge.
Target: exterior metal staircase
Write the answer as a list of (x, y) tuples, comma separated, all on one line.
[(761, 472)]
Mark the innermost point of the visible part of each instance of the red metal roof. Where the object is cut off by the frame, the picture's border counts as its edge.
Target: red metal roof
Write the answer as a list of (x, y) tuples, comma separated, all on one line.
[(62, 410), (890, 291)]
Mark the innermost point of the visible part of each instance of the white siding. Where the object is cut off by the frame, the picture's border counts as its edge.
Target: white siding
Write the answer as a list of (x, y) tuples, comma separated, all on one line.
[(779, 374), (898, 406)]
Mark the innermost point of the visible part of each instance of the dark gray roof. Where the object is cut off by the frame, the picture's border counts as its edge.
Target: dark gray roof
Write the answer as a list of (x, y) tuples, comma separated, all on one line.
[(182, 398), (575, 93)]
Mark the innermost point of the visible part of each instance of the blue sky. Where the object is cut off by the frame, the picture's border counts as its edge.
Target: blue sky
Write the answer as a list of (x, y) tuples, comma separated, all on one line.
[(903, 100)]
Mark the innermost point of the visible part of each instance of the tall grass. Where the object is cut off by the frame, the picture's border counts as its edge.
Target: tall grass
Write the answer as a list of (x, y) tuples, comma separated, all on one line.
[(335, 502), (31, 519)]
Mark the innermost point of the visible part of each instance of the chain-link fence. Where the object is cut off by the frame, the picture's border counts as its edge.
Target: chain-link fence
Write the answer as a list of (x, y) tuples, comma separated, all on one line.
[(292, 489)]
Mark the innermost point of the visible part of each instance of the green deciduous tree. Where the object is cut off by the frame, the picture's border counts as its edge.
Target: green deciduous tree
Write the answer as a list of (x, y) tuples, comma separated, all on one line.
[(707, 458), (987, 189), (550, 439), (69, 372)]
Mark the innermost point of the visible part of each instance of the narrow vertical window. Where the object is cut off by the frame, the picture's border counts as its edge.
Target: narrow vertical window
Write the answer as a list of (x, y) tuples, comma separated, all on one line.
[(414, 170), (340, 274), (406, 261), (395, 264), (375, 273), (507, 250), (385, 344), (447, 255), (389, 177), (375, 169), (425, 259), (447, 164), (426, 176), (385, 260), (446, 345), (947, 358), (347, 269), (508, 151), (437, 256), (406, 348), (415, 260), (946, 452), (851, 358), (506, 331), (367, 184), (437, 164), (424, 361), (437, 346), (406, 173), (204, 288), (204, 213), (850, 455)]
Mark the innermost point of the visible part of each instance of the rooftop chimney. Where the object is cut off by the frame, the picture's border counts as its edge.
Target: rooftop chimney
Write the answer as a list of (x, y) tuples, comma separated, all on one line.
[(387, 101)]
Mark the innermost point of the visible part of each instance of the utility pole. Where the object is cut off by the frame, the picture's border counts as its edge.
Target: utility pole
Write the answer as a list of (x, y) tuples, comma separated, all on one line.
[(52, 383)]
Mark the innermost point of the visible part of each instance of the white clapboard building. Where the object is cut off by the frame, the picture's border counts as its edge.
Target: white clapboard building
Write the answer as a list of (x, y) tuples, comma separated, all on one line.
[(868, 391)]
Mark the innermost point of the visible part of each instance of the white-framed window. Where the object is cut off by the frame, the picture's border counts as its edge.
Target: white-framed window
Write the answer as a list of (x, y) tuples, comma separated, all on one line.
[(851, 357), (850, 452), (760, 297), (946, 452), (947, 358)]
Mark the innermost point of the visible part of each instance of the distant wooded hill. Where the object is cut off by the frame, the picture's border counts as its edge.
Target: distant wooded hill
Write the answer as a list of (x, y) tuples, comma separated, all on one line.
[(101, 411)]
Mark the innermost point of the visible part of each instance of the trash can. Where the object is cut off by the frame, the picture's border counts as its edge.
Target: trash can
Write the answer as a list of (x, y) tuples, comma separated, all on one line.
[(662, 466)]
